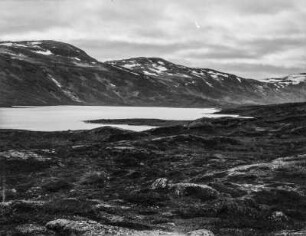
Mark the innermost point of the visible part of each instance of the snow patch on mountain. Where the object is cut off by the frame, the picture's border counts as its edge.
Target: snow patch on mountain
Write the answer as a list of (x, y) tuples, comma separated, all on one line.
[(190, 82), (149, 73), (68, 93), (180, 75), (296, 79), (130, 66), (84, 64), (158, 69), (289, 80), (72, 96), (124, 69), (46, 52), (198, 74), (6, 44), (32, 46), (12, 54), (35, 43), (216, 75), (11, 44), (239, 79), (55, 81), (153, 69), (209, 84), (147, 66), (29, 45)]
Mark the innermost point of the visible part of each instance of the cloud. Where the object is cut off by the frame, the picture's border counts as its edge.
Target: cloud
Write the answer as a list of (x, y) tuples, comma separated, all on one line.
[(252, 38), (261, 7)]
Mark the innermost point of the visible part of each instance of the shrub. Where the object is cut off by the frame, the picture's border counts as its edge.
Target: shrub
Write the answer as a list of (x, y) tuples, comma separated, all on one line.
[(70, 206), (56, 185), (98, 178), (147, 197)]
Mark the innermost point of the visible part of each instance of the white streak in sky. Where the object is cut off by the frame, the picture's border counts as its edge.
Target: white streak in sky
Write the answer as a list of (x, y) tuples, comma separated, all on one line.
[(197, 24)]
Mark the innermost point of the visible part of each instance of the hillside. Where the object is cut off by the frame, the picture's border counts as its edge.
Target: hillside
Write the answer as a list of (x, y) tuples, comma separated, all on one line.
[(55, 73)]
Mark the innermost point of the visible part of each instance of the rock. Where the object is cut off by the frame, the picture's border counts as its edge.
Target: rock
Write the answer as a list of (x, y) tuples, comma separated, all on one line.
[(201, 191), (93, 228), (290, 233), (278, 216), (34, 190), (94, 178), (70, 226), (32, 229), (160, 183), (200, 232), (23, 155)]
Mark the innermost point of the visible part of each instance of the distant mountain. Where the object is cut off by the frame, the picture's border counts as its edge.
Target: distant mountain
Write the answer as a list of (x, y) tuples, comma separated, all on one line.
[(219, 86), (288, 80), (56, 73)]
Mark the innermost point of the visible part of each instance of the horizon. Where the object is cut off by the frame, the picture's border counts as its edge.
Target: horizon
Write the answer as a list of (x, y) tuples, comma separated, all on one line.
[(251, 40)]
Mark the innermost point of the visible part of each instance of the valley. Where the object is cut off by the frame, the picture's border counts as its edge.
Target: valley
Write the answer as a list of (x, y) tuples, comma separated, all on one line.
[(152, 118)]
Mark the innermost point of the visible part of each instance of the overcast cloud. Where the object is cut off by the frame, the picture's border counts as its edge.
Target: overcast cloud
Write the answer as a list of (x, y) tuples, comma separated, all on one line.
[(256, 39)]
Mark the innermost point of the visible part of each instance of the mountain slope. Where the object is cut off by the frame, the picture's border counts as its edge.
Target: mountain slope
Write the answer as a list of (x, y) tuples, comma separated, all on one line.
[(218, 85), (56, 73), (53, 73)]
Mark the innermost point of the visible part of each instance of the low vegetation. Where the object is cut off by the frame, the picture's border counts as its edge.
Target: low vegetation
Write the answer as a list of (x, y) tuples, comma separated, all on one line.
[(226, 176)]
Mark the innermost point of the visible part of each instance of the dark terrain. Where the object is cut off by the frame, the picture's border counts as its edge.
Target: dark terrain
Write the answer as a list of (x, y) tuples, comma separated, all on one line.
[(41, 73), (231, 176), (150, 122)]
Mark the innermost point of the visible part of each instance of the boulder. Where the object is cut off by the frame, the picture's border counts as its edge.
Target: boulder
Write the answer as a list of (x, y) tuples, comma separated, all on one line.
[(291, 233), (160, 183), (278, 216), (201, 191), (23, 155), (32, 229), (99, 178), (200, 232), (93, 228)]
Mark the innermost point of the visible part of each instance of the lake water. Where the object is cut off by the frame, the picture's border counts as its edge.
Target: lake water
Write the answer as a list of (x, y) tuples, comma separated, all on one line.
[(57, 118)]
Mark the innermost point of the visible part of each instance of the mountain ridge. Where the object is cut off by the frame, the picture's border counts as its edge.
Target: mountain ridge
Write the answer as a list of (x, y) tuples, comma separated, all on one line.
[(55, 73)]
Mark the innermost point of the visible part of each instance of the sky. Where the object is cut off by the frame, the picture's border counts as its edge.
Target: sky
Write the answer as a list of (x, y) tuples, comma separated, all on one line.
[(252, 39)]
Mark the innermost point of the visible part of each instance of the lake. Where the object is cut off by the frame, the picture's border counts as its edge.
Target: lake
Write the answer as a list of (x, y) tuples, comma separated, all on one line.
[(58, 118)]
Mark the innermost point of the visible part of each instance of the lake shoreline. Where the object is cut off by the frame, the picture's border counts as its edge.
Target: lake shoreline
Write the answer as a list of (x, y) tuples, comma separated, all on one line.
[(139, 122), (60, 118)]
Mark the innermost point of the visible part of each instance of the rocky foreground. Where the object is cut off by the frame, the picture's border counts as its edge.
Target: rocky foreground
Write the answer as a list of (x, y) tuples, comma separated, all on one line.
[(225, 176)]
